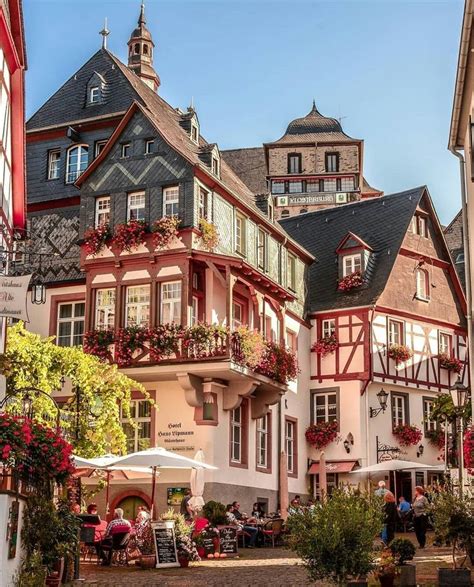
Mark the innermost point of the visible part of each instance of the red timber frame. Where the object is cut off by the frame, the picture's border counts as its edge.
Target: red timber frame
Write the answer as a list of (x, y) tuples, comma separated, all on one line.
[(358, 336)]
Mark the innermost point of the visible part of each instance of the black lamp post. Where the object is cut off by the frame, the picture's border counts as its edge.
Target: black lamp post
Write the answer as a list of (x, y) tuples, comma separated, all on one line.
[(459, 394), (382, 396)]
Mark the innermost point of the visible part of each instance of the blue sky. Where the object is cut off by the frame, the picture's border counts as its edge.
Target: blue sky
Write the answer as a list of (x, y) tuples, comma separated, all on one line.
[(386, 67)]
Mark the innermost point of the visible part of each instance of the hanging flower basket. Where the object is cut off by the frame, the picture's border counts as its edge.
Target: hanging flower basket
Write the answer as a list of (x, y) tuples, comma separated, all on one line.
[(97, 342), (399, 353), (407, 435), (164, 231), (325, 345), (209, 235), (129, 340), (95, 239), (469, 450), (130, 236), (436, 437), (351, 281), (450, 363), (320, 435)]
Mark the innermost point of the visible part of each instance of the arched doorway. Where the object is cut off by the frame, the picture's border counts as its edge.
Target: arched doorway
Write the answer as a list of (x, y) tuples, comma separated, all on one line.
[(130, 506)]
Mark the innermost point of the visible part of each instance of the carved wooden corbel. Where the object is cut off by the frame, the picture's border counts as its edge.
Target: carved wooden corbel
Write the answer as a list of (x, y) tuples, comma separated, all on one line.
[(236, 391), (192, 387)]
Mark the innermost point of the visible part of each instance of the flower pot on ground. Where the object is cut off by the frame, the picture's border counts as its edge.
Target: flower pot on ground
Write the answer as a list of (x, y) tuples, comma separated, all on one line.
[(146, 545), (183, 562), (183, 531), (454, 577), (147, 561), (386, 569)]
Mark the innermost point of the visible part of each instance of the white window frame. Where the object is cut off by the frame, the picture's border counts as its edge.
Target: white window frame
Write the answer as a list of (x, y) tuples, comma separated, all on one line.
[(263, 441), (291, 271), (445, 343), (105, 312), (171, 200), (291, 340), (428, 406), (237, 321), (351, 264), (236, 435), (240, 234), (194, 133), (74, 171), (399, 410), (422, 285), (328, 327), (422, 227), (149, 144), (173, 302), (138, 420), (261, 249), (73, 320), (99, 146), (396, 331), (135, 207), (215, 165), (194, 310), (125, 149), (330, 411), (292, 168), (102, 210), (54, 164), (94, 95), (332, 162), (141, 306), (290, 445)]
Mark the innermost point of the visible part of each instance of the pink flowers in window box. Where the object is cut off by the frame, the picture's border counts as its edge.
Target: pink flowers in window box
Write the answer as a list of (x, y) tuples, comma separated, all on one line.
[(164, 231), (351, 281), (450, 363), (95, 239), (130, 236), (407, 435), (325, 345), (322, 434), (399, 353)]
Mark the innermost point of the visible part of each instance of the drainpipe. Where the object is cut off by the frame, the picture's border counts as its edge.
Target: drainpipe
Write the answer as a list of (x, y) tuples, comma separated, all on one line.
[(279, 456)]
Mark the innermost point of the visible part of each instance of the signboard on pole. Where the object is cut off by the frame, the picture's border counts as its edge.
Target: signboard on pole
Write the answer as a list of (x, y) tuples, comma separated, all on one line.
[(13, 293)]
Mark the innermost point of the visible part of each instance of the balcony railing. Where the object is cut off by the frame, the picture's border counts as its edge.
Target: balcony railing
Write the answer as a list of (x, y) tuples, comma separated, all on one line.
[(135, 346)]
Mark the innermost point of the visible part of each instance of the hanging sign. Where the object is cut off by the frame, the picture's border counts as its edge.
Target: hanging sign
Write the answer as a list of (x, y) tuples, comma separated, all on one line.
[(13, 293), (165, 544)]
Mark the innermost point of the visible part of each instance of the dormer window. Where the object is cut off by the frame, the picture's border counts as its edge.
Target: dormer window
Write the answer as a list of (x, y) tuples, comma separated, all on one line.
[(194, 133), (419, 226), (294, 163), (354, 255), (215, 166), (125, 150), (94, 95), (351, 264)]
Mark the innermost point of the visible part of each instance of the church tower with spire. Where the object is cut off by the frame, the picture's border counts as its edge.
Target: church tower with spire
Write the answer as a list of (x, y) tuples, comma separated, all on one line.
[(140, 53)]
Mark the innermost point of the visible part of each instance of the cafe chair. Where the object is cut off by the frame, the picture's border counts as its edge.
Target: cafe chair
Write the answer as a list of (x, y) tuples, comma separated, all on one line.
[(272, 531), (117, 551), (86, 539)]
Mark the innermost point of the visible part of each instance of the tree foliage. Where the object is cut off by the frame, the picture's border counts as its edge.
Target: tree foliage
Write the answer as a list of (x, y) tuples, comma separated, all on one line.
[(100, 391)]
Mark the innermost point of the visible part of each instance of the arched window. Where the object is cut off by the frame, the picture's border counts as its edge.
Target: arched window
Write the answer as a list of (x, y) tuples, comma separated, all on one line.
[(145, 49), (77, 159), (137, 48), (422, 284)]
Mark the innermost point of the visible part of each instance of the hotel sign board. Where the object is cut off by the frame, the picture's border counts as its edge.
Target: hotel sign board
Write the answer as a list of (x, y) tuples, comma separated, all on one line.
[(309, 200), (13, 293)]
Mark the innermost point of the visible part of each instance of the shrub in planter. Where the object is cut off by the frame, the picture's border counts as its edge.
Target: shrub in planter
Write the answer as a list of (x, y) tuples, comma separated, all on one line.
[(399, 353), (450, 363), (214, 511), (164, 231), (130, 236), (404, 550), (95, 239), (335, 540), (407, 435), (322, 434), (325, 345), (352, 281), (97, 342), (209, 235)]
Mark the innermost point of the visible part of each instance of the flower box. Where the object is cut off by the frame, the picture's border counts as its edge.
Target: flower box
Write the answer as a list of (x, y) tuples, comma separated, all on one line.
[(399, 353), (128, 341), (351, 281), (209, 235), (407, 435), (322, 434), (164, 231), (450, 363), (325, 345), (95, 239), (278, 363), (97, 342), (130, 236)]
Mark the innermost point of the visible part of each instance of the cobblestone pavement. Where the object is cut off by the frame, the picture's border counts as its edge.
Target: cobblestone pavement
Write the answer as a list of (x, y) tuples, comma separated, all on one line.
[(260, 567)]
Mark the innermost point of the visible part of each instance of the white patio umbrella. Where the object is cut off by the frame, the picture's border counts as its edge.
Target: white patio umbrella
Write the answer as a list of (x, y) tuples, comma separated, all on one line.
[(197, 484), (160, 458)]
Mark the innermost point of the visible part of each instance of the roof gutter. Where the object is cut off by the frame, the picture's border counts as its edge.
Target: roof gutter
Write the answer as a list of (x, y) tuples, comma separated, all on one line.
[(467, 265)]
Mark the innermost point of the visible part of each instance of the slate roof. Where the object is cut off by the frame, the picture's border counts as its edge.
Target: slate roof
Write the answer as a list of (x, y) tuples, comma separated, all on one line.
[(382, 223), (314, 127), (250, 165), (454, 239)]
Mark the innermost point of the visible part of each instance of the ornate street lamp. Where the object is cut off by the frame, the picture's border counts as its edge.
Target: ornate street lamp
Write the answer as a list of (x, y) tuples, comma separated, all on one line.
[(382, 396), (25, 399), (459, 394), (38, 293)]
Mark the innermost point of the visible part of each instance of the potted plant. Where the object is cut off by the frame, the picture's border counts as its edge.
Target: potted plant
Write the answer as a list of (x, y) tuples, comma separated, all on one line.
[(436, 437), (183, 532), (450, 363), (469, 451), (404, 550), (399, 353), (335, 540), (130, 236), (129, 340), (407, 435), (322, 434), (453, 521), (95, 239), (325, 345), (351, 281), (214, 511), (386, 569), (278, 363), (146, 546)]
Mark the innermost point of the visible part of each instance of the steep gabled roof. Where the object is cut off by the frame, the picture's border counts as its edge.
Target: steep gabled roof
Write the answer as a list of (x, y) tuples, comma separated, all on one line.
[(351, 240), (381, 223), (250, 165)]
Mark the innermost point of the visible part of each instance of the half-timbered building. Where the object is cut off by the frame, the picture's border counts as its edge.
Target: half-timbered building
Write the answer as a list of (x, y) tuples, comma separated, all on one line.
[(393, 327)]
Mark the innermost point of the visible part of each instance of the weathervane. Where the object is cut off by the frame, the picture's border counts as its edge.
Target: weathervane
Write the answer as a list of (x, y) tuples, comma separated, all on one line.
[(105, 33)]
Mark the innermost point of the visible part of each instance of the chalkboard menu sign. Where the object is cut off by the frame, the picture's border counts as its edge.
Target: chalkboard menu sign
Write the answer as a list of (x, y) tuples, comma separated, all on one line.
[(165, 544), (228, 540), (209, 542)]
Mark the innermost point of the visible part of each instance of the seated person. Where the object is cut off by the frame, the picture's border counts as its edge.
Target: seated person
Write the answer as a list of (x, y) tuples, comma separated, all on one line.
[(116, 526), (250, 530), (403, 506), (239, 515), (142, 515), (257, 511)]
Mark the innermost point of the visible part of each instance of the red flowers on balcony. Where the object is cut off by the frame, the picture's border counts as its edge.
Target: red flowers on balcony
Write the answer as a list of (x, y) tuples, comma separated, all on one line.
[(450, 363), (407, 435), (351, 281), (325, 345), (399, 353), (164, 231), (278, 363), (128, 341), (469, 450), (130, 236), (95, 239), (322, 434), (97, 342)]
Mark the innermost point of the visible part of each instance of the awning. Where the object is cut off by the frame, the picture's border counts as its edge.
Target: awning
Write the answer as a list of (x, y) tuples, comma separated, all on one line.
[(333, 467)]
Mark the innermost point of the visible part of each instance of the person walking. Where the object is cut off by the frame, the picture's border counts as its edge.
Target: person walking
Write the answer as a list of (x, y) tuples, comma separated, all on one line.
[(420, 515), (390, 517)]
